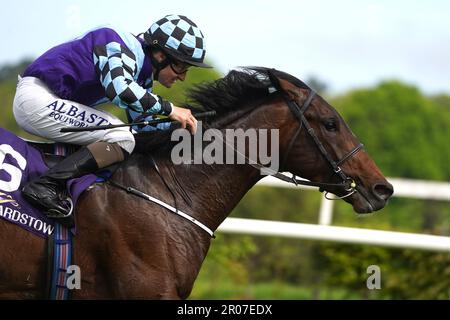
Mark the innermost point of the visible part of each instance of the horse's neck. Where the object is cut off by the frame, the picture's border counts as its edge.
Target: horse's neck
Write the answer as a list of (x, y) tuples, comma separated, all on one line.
[(212, 190), (216, 189), (207, 192)]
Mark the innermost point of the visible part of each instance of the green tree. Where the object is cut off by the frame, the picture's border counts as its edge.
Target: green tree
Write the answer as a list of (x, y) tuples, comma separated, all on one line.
[(10, 72), (404, 131)]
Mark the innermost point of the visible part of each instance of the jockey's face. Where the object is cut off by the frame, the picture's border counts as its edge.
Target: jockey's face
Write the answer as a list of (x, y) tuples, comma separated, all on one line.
[(171, 73)]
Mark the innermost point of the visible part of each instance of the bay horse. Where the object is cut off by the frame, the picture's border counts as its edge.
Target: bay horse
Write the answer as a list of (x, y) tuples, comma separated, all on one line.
[(129, 248)]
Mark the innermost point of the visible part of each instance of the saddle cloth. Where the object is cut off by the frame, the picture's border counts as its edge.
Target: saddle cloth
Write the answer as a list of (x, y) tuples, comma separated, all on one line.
[(20, 163)]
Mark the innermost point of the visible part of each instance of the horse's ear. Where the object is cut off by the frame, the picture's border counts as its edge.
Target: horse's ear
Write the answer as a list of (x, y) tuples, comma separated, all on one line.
[(283, 85), (274, 79), (289, 89)]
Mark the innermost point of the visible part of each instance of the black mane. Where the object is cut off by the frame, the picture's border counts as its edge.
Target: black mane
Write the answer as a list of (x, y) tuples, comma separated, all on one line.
[(248, 87), (238, 88)]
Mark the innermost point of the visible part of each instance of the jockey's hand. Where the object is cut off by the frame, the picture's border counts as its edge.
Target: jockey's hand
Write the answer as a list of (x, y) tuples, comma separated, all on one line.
[(185, 117)]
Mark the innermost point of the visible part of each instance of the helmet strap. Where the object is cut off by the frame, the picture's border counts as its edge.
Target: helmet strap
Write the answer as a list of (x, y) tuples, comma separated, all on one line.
[(158, 66)]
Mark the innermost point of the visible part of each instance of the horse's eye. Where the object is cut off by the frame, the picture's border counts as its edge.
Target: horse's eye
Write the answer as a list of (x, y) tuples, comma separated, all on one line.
[(330, 125)]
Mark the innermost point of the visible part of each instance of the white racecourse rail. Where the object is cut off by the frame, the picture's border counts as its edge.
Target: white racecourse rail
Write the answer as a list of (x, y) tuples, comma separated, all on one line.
[(403, 188)]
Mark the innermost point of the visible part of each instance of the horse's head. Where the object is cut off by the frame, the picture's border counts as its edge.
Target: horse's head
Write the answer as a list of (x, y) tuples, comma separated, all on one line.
[(310, 125), (314, 141)]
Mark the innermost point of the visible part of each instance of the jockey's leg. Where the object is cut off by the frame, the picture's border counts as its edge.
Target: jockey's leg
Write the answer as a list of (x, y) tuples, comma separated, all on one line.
[(46, 191), (39, 111)]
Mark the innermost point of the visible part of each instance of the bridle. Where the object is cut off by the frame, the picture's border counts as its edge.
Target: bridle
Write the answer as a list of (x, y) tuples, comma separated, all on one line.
[(348, 184)]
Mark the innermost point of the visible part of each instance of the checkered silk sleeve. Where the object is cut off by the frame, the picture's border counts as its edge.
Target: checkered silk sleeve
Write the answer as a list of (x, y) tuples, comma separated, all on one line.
[(117, 69)]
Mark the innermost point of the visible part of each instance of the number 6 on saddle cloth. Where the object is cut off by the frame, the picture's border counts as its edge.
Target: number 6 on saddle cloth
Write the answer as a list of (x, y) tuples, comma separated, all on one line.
[(21, 161)]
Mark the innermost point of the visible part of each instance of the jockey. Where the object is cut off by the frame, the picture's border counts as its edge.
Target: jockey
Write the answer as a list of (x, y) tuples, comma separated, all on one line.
[(62, 88)]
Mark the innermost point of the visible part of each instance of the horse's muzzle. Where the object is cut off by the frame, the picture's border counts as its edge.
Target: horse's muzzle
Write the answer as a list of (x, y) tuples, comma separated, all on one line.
[(382, 191), (367, 200)]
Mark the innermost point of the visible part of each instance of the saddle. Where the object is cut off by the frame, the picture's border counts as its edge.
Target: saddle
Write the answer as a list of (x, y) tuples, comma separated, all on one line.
[(52, 152), (22, 161)]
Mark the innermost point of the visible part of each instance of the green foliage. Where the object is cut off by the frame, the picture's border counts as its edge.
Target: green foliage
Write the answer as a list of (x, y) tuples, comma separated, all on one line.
[(405, 274), (264, 203), (11, 71), (227, 264), (405, 132), (266, 291)]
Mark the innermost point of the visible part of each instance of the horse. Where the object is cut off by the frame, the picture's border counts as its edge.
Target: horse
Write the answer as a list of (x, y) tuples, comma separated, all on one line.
[(130, 248)]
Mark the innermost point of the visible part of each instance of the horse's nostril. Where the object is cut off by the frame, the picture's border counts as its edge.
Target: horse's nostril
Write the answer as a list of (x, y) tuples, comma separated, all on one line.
[(383, 190)]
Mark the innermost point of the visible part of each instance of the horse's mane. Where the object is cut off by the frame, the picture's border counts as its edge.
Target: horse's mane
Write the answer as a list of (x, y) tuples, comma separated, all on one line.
[(249, 86)]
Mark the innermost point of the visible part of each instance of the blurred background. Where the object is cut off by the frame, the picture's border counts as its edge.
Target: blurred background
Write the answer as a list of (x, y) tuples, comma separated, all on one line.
[(384, 65)]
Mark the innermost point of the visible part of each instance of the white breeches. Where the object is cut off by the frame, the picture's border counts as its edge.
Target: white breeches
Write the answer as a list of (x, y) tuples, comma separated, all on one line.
[(40, 112)]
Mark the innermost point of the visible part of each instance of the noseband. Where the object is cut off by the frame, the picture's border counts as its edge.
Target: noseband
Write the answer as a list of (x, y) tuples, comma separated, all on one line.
[(348, 184)]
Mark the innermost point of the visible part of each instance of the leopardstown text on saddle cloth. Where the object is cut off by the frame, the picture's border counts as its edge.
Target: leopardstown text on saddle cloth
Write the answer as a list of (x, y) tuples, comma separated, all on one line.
[(227, 146)]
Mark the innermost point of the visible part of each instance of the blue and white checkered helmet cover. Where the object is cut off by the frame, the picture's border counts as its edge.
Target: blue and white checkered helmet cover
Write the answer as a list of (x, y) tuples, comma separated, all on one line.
[(180, 37)]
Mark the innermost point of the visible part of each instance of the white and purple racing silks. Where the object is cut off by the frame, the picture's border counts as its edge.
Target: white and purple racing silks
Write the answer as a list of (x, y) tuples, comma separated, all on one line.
[(104, 65)]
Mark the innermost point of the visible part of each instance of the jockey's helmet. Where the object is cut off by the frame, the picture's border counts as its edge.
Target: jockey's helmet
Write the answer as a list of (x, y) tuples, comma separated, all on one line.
[(178, 37)]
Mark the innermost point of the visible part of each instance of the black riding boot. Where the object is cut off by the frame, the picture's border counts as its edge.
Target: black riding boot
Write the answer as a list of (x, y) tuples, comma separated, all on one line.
[(46, 192)]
